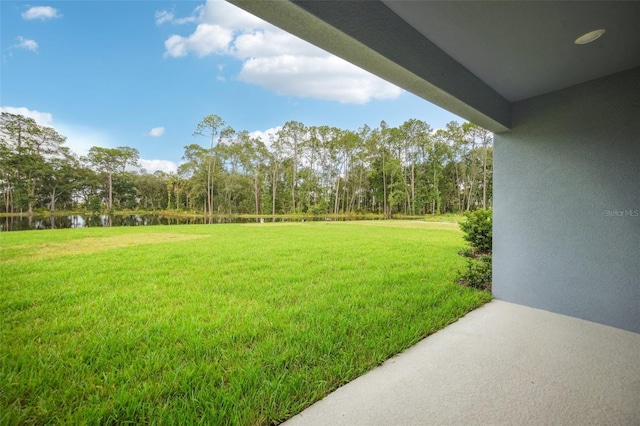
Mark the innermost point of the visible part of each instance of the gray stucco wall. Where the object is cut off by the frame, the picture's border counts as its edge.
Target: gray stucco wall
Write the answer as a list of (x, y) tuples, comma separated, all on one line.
[(567, 203)]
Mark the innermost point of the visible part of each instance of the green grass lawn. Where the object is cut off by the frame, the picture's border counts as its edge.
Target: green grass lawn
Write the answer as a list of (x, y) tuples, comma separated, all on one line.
[(213, 324)]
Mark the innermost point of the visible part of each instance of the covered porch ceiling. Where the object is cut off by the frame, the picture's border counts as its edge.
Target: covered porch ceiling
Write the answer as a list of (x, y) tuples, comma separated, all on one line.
[(473, 58)]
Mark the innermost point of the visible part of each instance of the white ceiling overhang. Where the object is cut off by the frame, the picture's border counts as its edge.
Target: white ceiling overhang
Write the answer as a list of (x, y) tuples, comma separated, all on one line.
[(473, 58)]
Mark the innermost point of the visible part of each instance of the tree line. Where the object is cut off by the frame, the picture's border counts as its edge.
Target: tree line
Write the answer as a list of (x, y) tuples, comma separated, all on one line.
[(411, 169)]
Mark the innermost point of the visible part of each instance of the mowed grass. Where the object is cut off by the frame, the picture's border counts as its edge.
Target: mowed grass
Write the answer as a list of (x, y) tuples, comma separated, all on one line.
[(213, 324)]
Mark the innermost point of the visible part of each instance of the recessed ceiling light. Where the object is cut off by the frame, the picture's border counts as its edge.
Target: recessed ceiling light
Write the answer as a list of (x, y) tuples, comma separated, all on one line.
[(589, 37)]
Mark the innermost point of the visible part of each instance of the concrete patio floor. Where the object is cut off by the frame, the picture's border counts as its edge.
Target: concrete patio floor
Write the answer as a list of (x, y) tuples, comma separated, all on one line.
[(500, 364)]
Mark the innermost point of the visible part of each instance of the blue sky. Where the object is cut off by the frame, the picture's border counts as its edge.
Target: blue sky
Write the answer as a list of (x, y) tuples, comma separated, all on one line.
[(144, 73)]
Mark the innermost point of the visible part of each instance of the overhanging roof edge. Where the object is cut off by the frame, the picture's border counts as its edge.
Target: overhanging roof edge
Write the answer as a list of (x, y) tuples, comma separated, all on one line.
[(478, 103)]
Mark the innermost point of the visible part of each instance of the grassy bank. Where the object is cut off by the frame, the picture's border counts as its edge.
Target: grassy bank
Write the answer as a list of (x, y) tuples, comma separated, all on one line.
[(241, 324)]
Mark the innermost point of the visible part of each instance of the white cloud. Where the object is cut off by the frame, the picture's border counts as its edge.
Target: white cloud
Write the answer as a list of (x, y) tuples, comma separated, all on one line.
[(24, 43), (158, 165), (156, 132), (275, 59), (163, 16), (186, 20), (42, 13), (266, 135), (290, 75), (206, 40)]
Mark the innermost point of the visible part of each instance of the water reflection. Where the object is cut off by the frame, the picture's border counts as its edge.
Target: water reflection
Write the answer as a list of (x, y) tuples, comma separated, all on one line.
[(22, 223)]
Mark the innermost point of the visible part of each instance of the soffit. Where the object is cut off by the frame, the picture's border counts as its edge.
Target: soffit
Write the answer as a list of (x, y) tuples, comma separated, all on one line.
[(525, 49)]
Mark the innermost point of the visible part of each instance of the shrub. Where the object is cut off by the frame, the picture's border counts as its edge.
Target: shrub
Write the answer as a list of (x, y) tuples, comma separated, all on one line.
[(477, 273), (477, 230)]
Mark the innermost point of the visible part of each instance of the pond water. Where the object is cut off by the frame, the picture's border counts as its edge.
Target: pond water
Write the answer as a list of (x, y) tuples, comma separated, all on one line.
[(23, 223)]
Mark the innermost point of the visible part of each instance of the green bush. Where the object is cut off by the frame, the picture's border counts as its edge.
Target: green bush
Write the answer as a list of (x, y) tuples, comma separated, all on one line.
[(477, 273), (477, 228)]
